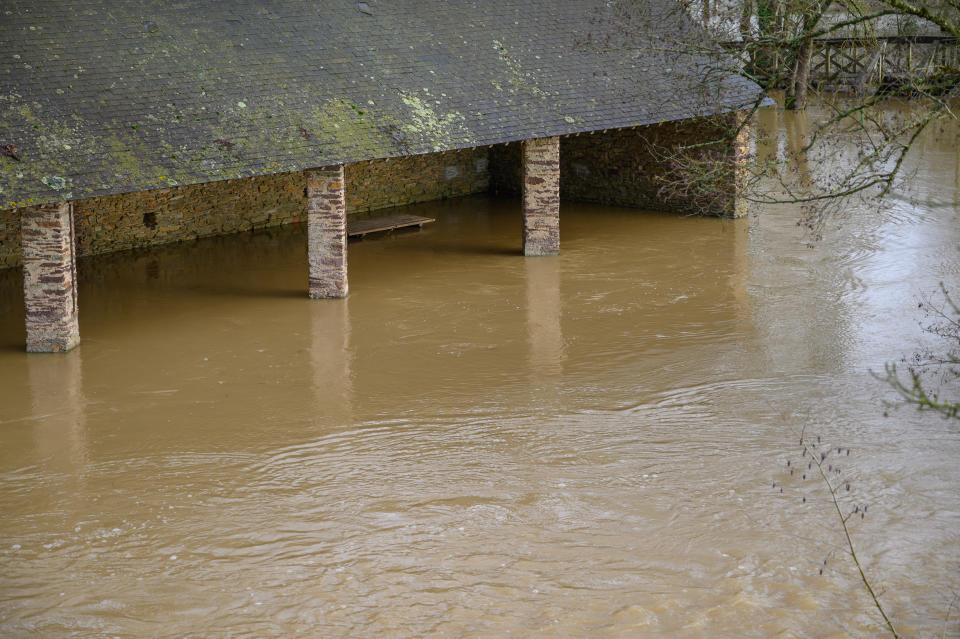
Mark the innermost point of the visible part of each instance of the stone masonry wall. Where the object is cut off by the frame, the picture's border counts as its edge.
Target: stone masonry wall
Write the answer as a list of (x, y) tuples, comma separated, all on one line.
[(622, 167), (10, 251), (379, 184), (327, 232), (50, 277), (619, 167), (119, 222), (148, 218), (541, 196)]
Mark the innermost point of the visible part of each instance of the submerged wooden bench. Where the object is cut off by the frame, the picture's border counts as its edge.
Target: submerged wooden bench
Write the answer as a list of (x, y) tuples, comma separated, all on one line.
[(359, 228)]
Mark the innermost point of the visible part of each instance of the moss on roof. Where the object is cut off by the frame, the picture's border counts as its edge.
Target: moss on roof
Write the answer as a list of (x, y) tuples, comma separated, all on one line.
[(104, 97)]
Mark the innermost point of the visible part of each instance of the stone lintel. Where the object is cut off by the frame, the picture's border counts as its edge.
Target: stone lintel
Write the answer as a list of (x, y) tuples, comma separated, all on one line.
[(541, 196), (50, 277), (327, 232)]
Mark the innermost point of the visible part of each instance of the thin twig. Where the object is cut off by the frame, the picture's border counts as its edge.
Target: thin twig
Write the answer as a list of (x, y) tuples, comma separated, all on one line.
[(818, 460)]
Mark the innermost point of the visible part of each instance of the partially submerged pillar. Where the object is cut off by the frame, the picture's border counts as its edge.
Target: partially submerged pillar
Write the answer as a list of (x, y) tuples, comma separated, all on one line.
[(739, 206), (327, 232), (49, 277), (541, 196)]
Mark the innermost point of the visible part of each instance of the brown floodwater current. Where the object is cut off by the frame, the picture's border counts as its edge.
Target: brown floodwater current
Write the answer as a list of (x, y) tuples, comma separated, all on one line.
[(478, 444)]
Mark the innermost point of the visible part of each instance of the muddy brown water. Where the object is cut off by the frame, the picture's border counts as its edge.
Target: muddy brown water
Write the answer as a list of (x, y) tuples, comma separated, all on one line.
[(478, 444)]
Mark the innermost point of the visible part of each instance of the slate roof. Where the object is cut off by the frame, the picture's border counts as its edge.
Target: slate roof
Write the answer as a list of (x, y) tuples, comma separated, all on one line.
[(112, 96)]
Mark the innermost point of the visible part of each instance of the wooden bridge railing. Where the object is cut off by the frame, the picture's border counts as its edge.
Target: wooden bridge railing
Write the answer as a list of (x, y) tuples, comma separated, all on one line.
[(859, 62), (855, 63)]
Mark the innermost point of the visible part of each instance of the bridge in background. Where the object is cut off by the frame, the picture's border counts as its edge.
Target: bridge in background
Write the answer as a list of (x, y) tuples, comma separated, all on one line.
[(861, 64), (892, 61)]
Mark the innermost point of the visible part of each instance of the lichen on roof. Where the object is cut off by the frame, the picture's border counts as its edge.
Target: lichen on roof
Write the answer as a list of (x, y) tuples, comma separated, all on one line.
[(111, 96)]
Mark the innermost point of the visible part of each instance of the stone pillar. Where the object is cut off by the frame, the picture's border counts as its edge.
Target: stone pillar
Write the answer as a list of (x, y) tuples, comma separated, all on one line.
[(327, 232), (541, 196), (741, 171), (49, 277)]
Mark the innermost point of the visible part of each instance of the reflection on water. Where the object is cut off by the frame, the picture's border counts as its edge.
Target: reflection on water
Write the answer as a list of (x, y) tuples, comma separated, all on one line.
[(544, 312), (58, 407), (330, 359), (474, 443)]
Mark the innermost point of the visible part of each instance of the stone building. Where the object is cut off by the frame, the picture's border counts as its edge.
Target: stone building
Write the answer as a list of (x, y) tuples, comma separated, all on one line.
[(128, 123)]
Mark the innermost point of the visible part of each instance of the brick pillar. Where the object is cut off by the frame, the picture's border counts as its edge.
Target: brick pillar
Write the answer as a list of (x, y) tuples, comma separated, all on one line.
[(49, 278), (327, 232), (541, 196)]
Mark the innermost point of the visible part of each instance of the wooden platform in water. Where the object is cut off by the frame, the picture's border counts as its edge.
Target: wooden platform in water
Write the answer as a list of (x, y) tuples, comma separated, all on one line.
[(359, 228)]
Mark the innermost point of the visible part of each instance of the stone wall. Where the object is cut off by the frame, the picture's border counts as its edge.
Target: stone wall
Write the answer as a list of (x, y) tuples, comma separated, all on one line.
[(616, 167), (148, 218), (379, 184), (622, 167), (626, 166), (541, 196), (10, 254), (50, 278)]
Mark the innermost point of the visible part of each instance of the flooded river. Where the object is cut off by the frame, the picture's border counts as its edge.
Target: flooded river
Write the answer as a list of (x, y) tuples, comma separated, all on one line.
[(478, 444)]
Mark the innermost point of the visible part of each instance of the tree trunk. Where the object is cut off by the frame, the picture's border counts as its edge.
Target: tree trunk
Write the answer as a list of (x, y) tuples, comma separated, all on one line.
[(802, 75), (766, 17), (764, 58), (790, 99)]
